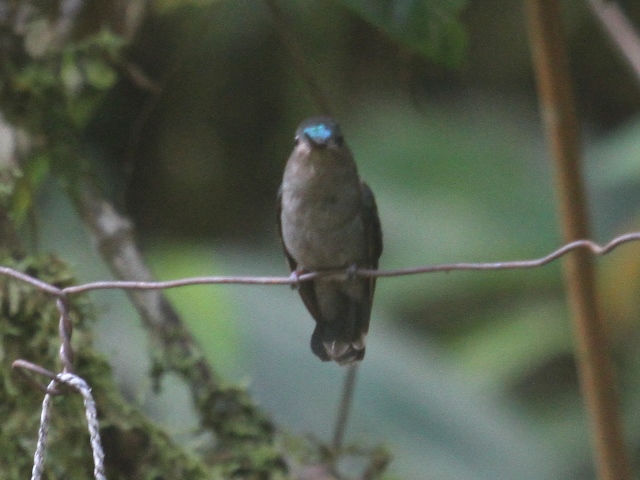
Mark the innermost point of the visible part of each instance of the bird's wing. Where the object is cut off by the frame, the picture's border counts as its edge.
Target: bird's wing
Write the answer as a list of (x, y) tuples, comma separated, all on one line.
[(305, 289), (373, 232), (372, 224), (290, 260)]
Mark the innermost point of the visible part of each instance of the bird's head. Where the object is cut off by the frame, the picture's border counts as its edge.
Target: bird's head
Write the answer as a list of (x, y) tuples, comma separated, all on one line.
[(318, 133)]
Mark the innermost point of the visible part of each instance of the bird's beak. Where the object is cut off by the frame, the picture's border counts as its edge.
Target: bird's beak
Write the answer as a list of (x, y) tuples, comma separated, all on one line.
[(314, 142)]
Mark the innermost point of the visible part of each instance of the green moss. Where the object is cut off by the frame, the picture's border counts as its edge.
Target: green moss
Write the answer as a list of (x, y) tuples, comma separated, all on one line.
[(134, 446)]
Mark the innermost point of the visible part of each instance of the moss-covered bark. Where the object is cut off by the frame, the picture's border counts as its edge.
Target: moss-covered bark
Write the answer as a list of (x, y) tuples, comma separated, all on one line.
[(135, 447)]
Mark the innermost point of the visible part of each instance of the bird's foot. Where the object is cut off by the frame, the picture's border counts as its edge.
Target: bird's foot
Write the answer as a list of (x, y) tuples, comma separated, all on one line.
[(351, 271), (295, 277)]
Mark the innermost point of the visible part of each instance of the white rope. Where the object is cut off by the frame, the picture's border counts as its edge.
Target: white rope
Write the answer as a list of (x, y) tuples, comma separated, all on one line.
[(92, 421), (43, 432)]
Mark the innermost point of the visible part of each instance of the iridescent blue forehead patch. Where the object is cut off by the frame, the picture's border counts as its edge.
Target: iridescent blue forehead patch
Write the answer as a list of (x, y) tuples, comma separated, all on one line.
[(318, 132)]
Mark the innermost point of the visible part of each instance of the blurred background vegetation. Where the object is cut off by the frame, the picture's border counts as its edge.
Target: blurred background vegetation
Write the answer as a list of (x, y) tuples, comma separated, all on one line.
[(187, 125)]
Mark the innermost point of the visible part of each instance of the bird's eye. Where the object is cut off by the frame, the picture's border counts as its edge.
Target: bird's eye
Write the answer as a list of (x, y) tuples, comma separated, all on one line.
[(339, 140)]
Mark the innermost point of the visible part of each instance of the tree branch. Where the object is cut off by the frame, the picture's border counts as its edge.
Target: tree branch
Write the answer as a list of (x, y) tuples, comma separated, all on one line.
[(113, 235)]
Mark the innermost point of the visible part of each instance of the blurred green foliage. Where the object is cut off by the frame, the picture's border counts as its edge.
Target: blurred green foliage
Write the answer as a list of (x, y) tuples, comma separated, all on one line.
[(431, 28), (209, 313), (53, 92)]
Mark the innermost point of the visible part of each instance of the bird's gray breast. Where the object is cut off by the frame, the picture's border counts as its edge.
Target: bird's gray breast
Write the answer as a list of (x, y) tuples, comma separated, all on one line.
[(322, 225)]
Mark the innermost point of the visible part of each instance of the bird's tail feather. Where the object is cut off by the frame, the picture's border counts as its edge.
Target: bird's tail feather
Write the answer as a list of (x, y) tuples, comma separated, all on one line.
[(343, 342)]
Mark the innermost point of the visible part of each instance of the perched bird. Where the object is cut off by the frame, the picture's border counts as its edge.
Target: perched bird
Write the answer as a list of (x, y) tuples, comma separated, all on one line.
[(328, 219)]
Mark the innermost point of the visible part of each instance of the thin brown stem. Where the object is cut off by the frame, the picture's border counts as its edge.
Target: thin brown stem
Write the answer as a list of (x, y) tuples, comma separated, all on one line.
[(559, 117), (344, 407)]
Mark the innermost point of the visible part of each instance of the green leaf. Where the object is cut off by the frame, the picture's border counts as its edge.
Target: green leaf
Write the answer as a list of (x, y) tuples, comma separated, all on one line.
[(34, 78), (107, 42), (35, 171), (100, 75), (70, 74), (430, 27)]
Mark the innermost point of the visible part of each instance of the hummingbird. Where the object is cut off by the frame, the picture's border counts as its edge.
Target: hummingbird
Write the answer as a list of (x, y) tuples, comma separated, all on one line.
[(328, 219)]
